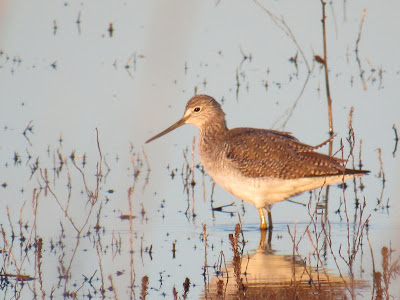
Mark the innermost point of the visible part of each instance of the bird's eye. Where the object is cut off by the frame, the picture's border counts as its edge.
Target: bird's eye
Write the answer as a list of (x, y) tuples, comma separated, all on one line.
[(196, 109)]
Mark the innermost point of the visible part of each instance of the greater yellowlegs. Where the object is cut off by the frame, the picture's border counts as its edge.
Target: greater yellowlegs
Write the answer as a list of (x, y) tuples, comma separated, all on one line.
[(259, 166)]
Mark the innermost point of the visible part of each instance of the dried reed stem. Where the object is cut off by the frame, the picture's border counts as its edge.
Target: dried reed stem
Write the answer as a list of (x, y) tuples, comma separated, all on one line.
[(145, 283), (325, 63), (112, 288), (237, 262), (205, 268)]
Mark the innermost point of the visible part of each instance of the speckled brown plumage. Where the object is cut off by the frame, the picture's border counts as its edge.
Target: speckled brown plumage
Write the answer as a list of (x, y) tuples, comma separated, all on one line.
[(265, 153), (258, 165)]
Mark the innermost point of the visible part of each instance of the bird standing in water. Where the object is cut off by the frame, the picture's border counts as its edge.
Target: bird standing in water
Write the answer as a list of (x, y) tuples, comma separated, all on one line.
[(259, 166)]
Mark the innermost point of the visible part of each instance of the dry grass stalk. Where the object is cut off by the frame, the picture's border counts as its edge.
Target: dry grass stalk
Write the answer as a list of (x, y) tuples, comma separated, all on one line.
[(186, 287), (193, 182), (99, 252), (325, 63), (205, 267), (145, 283), (132, 273), (237, 262), (112, 288), (146, 159), (218, 270), (382, 281)]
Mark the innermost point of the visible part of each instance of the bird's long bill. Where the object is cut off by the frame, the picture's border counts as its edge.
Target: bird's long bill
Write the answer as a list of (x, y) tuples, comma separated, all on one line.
[(174, 126)]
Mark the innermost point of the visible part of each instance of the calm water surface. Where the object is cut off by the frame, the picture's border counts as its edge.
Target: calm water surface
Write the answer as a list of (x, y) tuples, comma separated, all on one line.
[(88, 211)]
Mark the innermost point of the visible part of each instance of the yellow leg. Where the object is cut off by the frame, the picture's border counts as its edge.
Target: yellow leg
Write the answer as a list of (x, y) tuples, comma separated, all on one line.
[(263, 225)]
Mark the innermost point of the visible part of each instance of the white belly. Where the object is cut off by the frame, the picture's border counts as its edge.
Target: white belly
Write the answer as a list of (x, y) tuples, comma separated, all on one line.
[(267, 191)]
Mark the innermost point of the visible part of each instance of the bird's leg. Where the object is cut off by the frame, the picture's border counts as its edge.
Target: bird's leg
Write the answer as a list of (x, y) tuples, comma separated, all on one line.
[(263, 225), (262, 240), (263, 246), (268, 207)]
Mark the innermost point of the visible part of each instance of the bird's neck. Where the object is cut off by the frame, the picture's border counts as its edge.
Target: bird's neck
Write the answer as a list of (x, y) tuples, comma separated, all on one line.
[(211, 138), (213, 130)]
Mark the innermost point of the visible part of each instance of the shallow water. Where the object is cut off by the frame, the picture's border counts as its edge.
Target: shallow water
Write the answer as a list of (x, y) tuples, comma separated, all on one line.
[(64, 73)]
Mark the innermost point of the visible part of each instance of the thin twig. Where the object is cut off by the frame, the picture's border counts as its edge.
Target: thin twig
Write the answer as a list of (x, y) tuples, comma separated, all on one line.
[(356, 51), (282, 25), (396, 139), (325, 63)]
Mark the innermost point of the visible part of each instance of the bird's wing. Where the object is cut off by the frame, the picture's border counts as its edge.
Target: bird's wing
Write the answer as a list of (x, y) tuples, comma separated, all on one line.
[(268, 153)]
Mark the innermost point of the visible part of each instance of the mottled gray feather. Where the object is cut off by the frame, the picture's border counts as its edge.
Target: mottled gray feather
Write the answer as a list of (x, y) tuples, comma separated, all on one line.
[(268, 153)]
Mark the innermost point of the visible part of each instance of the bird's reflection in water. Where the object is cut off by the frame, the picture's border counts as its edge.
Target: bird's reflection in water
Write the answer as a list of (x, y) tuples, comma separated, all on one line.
[(265, 247), (265, 275)]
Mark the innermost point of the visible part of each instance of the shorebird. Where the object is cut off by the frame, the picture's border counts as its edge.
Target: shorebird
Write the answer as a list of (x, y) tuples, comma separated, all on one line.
[(259, 166)]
